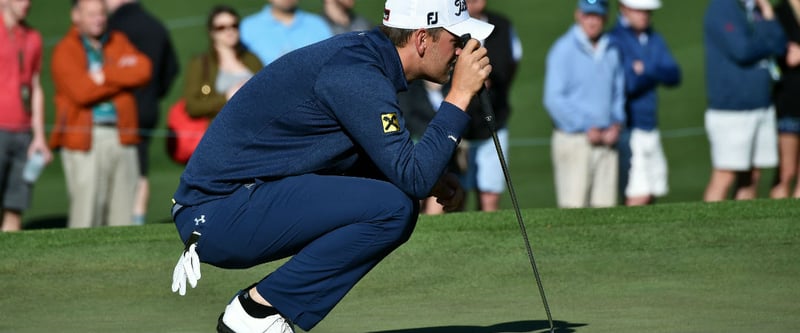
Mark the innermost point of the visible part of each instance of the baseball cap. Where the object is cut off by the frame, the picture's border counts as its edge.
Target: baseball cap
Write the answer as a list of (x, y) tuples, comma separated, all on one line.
[(642, 4), (599, 7), (451, 15)]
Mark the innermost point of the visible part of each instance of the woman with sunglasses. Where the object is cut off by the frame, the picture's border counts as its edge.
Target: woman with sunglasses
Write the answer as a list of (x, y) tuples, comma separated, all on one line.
[(213, 77)]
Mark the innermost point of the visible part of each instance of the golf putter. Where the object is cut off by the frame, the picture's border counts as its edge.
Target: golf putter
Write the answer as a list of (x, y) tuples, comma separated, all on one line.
[(488, 115)]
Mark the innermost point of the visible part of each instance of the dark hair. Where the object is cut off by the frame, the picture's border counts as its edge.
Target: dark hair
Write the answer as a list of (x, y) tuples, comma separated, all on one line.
[(400, 37), (220, 9), (224, 9)]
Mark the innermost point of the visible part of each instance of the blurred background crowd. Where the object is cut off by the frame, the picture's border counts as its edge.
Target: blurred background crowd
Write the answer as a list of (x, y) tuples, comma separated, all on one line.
[(82, 126)]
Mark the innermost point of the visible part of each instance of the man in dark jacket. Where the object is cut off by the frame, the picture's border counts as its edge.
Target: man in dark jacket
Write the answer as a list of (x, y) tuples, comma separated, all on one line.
[(150, 36)]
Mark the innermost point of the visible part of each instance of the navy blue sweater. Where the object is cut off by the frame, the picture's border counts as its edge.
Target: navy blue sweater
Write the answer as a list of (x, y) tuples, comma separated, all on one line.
[(737, 56), (328, 108), (641, 101)]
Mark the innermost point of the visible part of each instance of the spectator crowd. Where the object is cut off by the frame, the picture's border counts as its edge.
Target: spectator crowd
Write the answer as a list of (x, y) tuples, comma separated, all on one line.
[(116, 64)]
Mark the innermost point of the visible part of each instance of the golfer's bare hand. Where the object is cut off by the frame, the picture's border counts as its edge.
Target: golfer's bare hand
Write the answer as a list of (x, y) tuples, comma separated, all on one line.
[(469, 74), (448, 192)]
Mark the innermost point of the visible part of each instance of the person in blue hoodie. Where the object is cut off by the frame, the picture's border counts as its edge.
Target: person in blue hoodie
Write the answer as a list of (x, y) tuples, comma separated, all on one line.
[(648, 63), (742, 38), (311, 160)]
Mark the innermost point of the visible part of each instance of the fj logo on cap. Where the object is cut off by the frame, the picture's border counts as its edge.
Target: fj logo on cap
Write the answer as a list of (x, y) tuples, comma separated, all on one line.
[(433, 18), (386, 13), (390, 122)]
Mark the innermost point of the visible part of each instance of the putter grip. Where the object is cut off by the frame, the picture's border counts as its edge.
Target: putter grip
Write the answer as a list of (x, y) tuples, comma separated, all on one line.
[(483, 94), (486, 108)]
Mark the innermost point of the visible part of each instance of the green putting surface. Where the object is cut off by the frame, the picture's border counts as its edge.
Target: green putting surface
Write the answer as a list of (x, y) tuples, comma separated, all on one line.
[(729, 267)]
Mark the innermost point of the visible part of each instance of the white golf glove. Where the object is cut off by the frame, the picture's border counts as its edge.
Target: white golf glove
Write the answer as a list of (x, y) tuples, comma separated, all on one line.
[(187, 269)]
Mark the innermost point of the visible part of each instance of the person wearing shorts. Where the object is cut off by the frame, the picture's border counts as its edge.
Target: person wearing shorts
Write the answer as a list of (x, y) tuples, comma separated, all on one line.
[(789, 151), (484, 174), (648, 64), (787, 105), (647, 175), (740, 119), (22, 112), (741, 141)]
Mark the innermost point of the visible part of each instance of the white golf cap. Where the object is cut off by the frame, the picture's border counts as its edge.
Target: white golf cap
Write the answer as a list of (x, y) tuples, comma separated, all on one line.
[(642, 4), (451, 15)]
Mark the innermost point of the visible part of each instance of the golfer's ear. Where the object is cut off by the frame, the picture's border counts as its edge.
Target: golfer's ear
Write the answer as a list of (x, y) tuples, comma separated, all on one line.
[(421, 38)]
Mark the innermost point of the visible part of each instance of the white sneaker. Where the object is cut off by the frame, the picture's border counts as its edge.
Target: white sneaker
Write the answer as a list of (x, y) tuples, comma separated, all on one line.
[(236, 320)]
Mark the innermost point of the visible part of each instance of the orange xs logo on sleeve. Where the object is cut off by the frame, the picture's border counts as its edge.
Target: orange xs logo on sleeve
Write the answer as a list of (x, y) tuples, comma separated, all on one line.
[(390, 122)]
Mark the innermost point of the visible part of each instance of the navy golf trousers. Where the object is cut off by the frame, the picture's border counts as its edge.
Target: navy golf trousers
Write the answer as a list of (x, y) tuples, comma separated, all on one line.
[(336, 228)]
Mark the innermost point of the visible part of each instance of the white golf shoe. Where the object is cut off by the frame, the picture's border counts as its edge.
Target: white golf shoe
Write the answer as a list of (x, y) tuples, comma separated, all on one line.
[(236, 320)]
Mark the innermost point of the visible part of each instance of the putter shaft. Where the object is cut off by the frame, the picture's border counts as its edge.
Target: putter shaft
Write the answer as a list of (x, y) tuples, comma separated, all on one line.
[(488, 114)]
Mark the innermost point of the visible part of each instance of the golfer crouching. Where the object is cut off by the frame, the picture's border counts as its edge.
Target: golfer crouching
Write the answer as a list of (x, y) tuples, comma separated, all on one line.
[(310, 160)]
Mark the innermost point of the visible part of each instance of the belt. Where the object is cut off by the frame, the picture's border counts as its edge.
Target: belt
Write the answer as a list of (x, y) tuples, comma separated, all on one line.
[(105, 124)]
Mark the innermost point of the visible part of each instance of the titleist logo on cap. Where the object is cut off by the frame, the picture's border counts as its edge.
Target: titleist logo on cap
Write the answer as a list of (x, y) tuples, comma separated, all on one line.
[(461, 6)]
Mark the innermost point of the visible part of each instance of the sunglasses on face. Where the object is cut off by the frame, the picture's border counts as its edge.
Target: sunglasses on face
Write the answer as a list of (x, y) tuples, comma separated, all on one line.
[(218, 28)]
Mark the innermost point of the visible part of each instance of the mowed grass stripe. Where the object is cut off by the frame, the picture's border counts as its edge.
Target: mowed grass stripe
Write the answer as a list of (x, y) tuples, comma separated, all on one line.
[(728, 267)]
